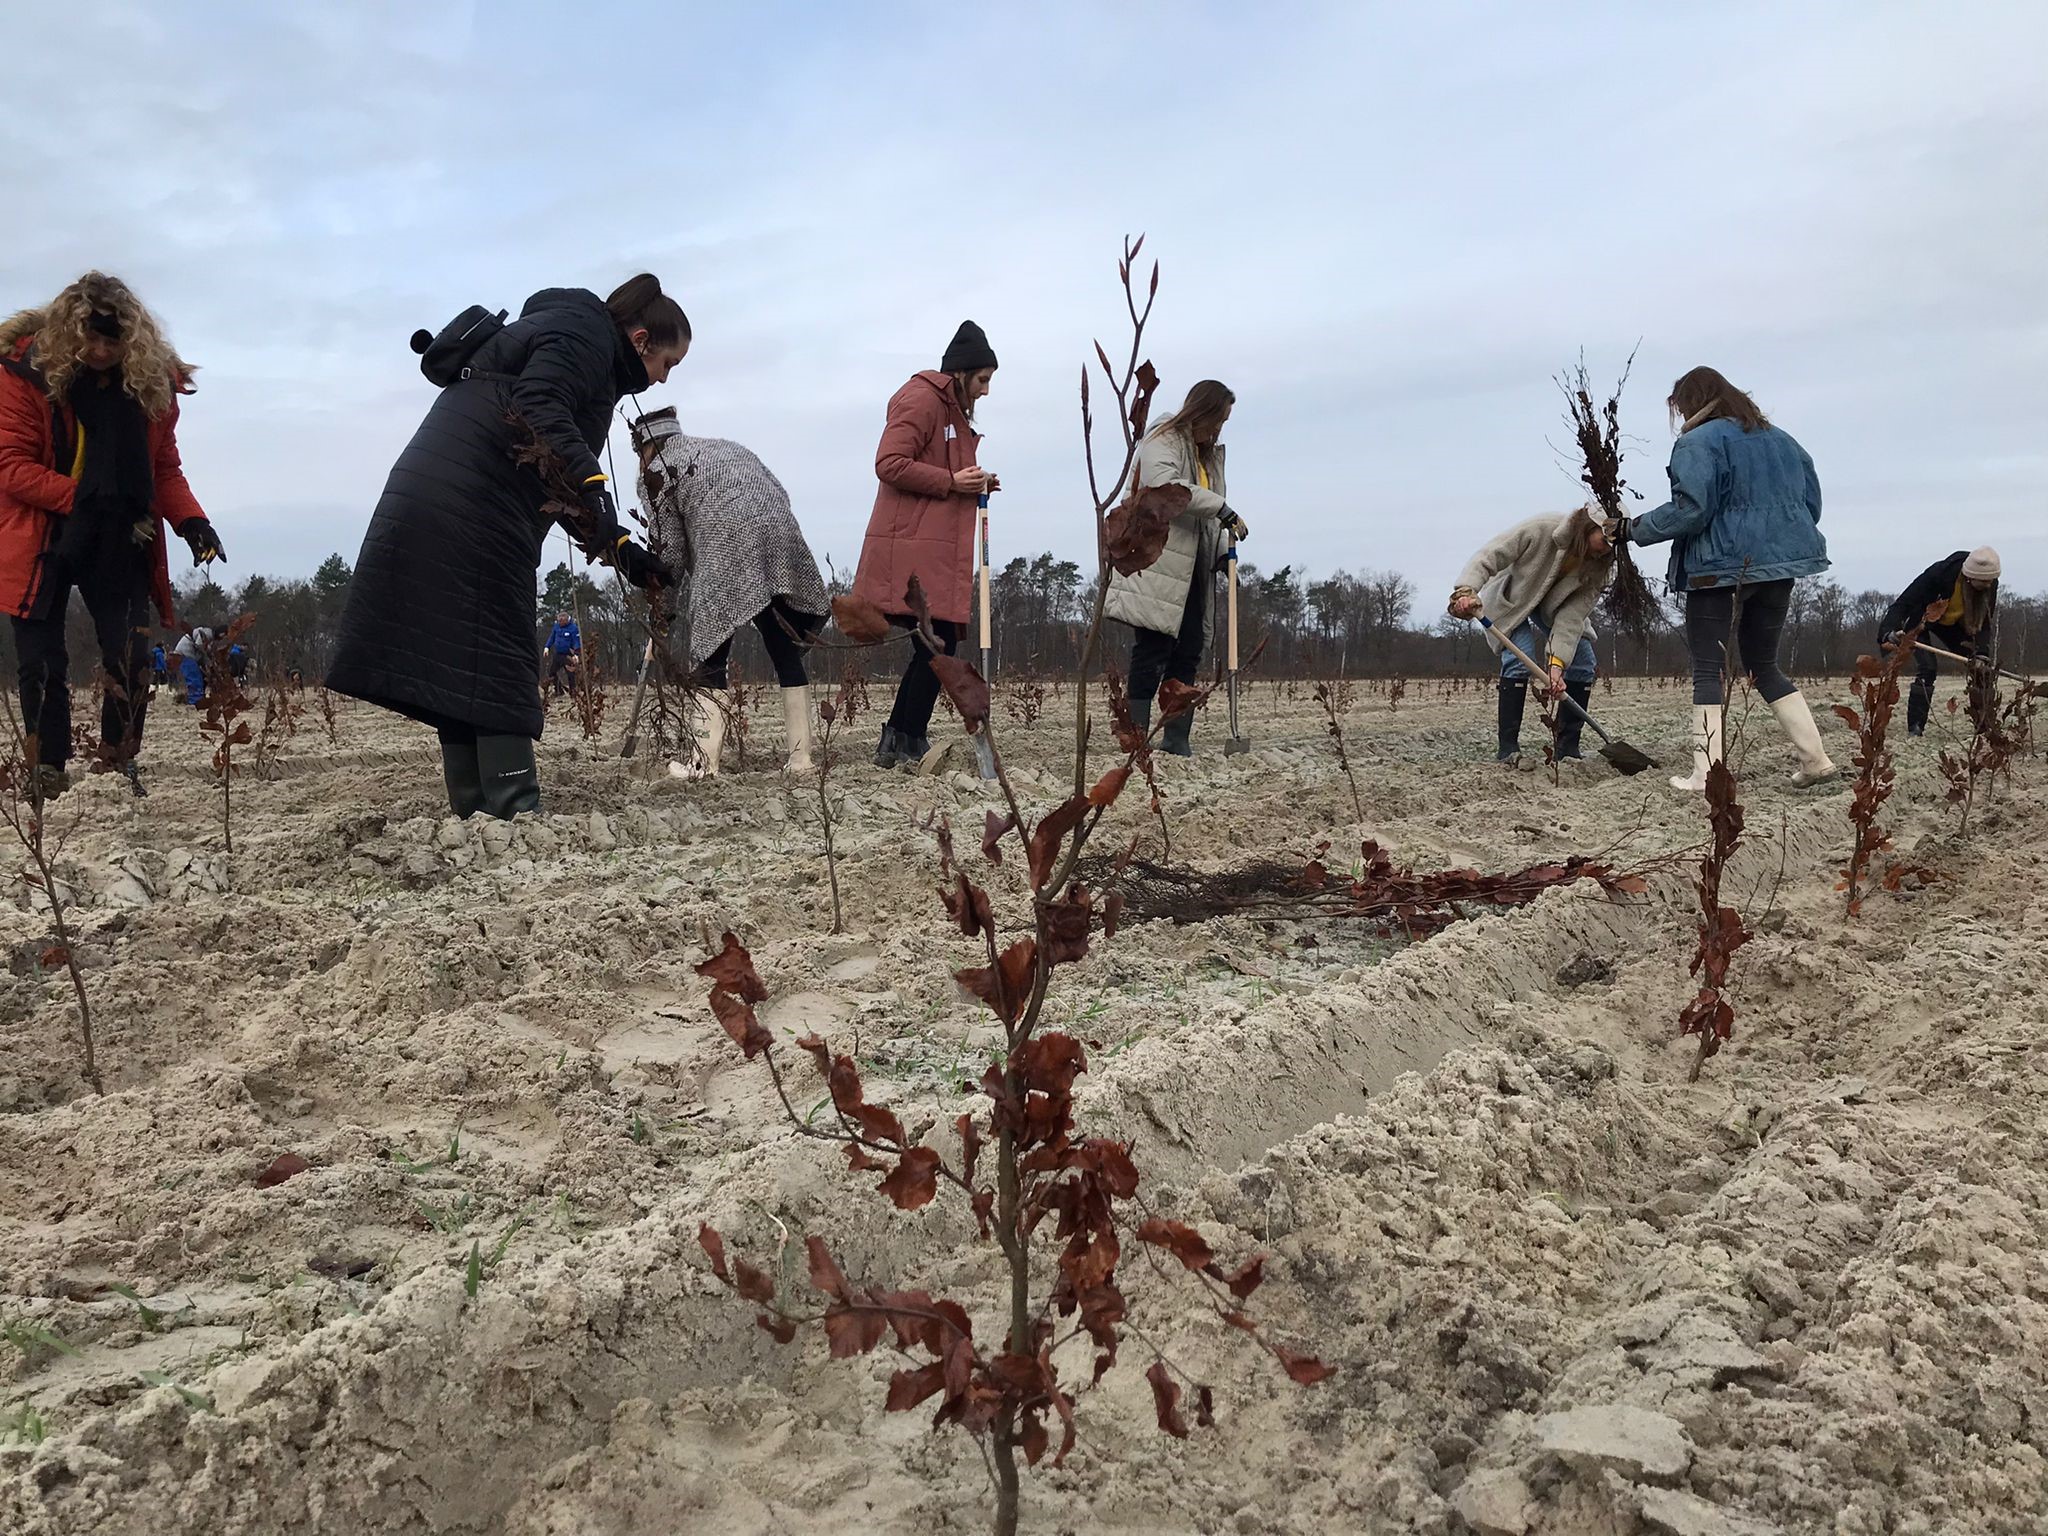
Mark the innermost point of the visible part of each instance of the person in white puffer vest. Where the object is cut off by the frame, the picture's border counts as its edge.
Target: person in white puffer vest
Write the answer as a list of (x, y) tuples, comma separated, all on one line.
[(1167, 603)]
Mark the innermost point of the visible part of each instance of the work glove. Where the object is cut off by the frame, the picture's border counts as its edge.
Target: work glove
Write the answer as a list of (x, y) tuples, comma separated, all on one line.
[(144, 531), (1234, 525), (1620, 533), (640, 567), (205, 543), (602, 518)]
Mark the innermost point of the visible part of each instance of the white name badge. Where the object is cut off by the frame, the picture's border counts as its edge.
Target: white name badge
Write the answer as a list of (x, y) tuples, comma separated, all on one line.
[(950, 434)]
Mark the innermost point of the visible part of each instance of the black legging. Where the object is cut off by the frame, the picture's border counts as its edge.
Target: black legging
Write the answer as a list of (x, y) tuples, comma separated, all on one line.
[(1920, 701), (114, 582), (1156, 656), (784, 649), (918, 693), (1709, 613)]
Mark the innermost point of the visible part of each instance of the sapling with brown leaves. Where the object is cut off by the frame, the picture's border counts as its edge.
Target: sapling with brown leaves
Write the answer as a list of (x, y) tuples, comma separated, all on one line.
[(222, 722), (836, 714), (1876, 687), (1335, 728), (1721, 930), (25, 808), (1020, 1166)]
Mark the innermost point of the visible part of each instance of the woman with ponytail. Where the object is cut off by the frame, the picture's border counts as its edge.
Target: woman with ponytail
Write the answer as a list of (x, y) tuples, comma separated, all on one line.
[(89, 474), (439, 620)]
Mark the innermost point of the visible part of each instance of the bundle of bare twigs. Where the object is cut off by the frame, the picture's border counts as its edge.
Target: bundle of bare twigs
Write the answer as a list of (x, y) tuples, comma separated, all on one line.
[(1597, 432)]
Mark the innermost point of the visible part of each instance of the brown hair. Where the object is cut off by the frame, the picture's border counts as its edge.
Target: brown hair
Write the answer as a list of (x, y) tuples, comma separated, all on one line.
[(1578, 553), (1704, 390), (151, 371), (960, 378), (1977, 605), (639, 304), (1204, 407)]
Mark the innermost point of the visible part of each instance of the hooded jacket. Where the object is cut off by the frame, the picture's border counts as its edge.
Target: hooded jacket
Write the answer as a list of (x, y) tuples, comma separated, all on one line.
[(41, 454), (438, 624), (921, 526), (1522, 572)]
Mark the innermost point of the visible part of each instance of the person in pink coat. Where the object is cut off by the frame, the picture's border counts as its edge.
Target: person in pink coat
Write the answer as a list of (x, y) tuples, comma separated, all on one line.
[(923, 525)]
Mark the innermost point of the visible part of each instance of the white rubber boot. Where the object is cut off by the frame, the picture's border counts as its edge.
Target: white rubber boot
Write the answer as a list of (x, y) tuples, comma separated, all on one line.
[(1815, 766), (796, 714), (707, 728), (1706, 747)]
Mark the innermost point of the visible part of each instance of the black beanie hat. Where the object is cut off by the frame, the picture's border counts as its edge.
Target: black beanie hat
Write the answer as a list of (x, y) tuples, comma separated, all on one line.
[(970, 350)]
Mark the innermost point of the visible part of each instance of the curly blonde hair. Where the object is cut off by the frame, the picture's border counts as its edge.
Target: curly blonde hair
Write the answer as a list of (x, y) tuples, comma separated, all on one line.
[(151, 370)]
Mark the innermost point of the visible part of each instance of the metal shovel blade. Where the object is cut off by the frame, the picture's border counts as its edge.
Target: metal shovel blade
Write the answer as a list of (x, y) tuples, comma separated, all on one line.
[(984, 754), (1627, 759), (1236, 744)]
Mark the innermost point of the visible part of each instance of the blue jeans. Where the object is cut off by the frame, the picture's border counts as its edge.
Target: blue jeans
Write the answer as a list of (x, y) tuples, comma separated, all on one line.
[(1534, 637)]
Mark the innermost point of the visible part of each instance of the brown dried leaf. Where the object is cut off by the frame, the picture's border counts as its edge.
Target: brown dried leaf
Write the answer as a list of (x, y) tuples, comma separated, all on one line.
[(1177, 698), (753, 1284), (849, 1332), (1109, 786), (992, 829), (776, 1326), (1179, 1239), (1047, 835), (825, 1272), (1112, 913), (1135, 533), (970, 1145), (1166, 1400), (860, 620), (747, 1032), (1305, 1369), (714, 1249), (1205, 1408), (1246, 1278), (968, 905), (861, 1161), (1006, 985), (967, 688), (915, 1180), (733, 969), (284, 1166), (909, 1388)]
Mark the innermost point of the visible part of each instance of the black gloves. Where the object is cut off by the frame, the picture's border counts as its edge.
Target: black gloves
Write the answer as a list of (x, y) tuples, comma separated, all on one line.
[(639, 567), (206, 545), (1233, 524), (1620, 535), (604, 530)]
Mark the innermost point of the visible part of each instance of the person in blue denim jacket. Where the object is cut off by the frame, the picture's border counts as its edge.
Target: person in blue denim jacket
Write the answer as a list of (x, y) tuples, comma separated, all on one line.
[(1743, 523)]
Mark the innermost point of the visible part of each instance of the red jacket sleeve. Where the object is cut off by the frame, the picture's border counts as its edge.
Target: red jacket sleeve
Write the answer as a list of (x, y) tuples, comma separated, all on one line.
[(174, 498), (24, 438), (911, 425)]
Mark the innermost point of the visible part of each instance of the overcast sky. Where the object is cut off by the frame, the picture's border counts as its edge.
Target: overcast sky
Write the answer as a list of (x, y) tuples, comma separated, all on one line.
[(1385, 226)]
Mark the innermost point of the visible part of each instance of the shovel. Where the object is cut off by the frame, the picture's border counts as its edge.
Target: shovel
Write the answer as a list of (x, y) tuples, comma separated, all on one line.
[(1238, 742), (984, 754), (1625, 758), (1965, 662), (632, 741)]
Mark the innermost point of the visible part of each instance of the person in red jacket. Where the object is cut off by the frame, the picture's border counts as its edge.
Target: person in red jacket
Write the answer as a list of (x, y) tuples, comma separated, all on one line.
[(923, 525), (89, 474)]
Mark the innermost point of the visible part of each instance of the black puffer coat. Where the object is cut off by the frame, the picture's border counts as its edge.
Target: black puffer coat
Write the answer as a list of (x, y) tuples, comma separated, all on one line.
[(439, 623), (1937, 584)]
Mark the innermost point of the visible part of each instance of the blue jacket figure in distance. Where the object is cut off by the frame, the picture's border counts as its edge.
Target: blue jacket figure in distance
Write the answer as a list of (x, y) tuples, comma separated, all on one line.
[(564, 641)]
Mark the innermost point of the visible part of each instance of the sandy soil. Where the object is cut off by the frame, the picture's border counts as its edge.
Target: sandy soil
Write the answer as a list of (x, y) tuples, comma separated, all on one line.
[(1566, 1292)]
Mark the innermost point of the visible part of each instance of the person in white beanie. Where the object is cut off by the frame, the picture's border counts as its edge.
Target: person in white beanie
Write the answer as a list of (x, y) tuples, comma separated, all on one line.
[(1956, 598), (723, 528), (1744, 523)]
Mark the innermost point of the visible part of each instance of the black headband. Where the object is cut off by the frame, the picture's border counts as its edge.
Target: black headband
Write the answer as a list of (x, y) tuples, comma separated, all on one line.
[(103, 323)]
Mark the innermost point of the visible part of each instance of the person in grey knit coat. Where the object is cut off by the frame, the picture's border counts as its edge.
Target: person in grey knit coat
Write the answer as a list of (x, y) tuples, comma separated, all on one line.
[(722, 526), (1538, 582)]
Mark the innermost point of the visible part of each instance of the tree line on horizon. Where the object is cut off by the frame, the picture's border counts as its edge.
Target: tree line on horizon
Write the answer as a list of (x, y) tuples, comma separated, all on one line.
[(1362, 624)]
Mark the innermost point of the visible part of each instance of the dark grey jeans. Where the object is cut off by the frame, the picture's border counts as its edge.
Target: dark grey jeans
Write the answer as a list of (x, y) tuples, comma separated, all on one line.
[(1711, 622)]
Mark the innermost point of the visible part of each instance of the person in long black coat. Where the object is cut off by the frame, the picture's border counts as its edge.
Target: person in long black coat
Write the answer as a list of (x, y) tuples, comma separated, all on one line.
[(1965, 585), (438, 625)]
